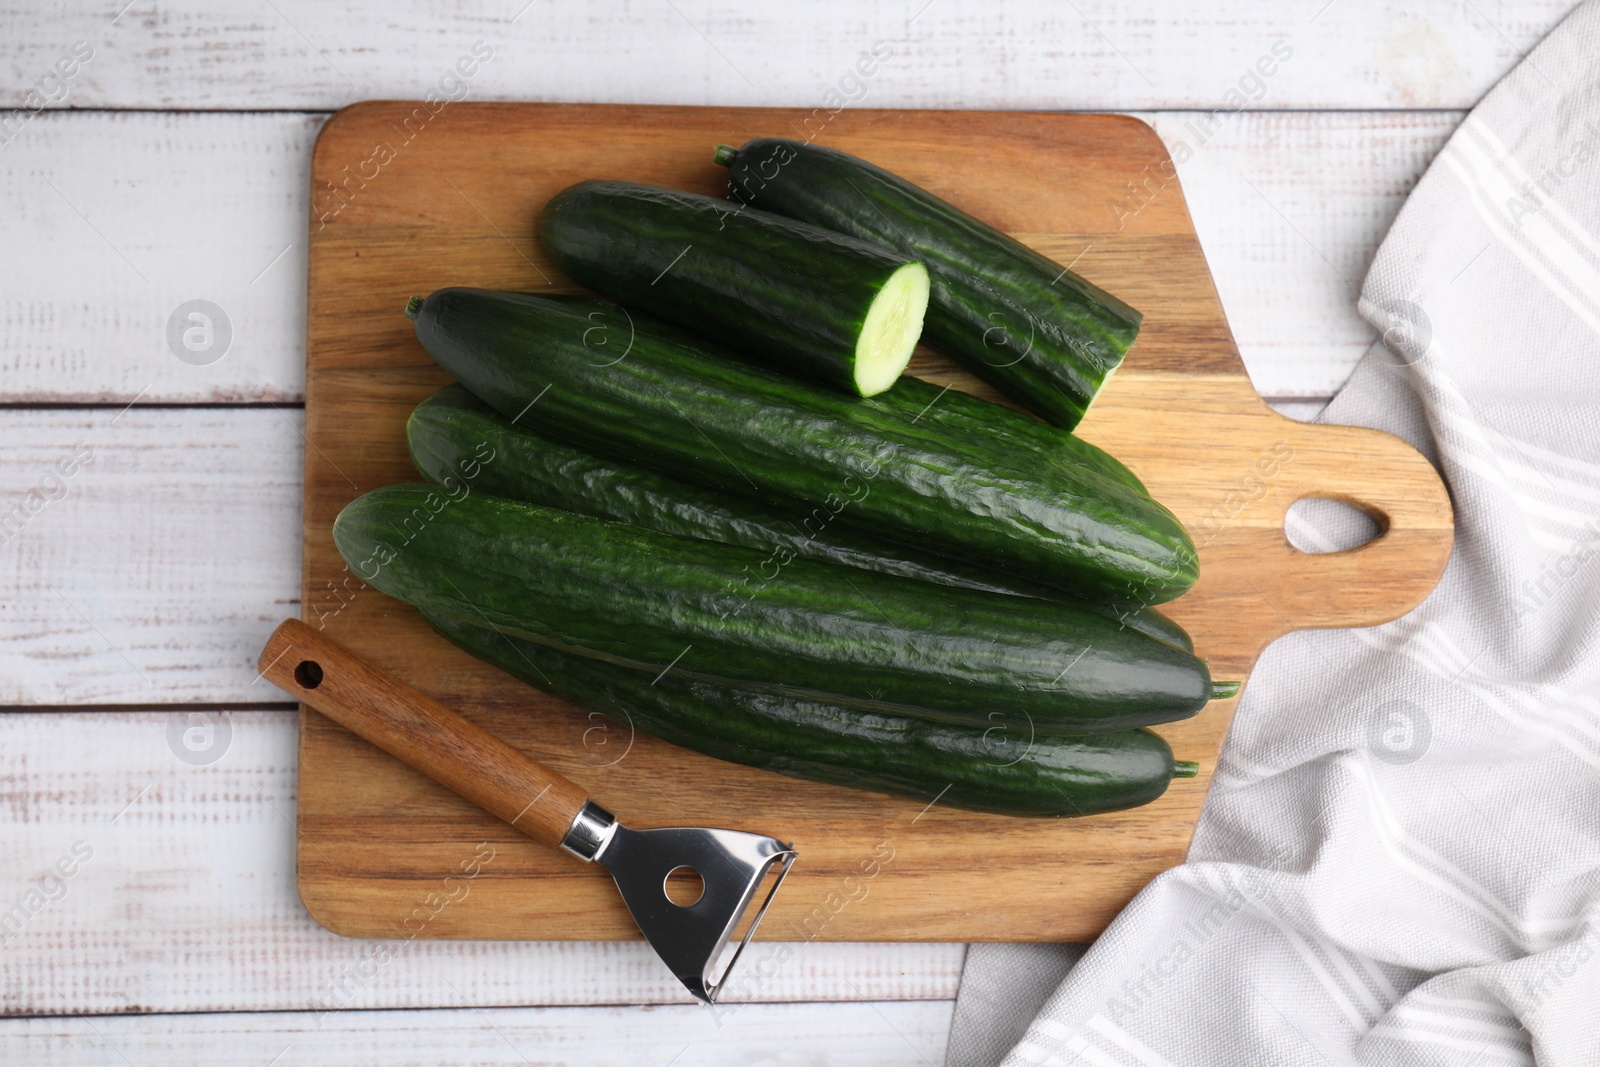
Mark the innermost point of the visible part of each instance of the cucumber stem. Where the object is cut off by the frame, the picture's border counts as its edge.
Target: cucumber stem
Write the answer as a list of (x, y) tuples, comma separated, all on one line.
[(723, 155), (1224, 690), (413, 306), (1185, 768)]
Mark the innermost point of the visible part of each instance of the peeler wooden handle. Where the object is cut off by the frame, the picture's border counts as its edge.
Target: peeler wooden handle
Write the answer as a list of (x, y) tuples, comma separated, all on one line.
[(421, 732)]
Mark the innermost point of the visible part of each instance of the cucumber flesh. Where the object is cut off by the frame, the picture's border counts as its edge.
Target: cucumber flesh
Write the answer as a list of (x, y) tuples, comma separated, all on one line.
[(889, 334)]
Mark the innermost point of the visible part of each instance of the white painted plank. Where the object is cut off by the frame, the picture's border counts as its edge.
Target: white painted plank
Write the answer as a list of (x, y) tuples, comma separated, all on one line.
[(1289, 207), (118, 219), (880, 1034), (181, 896), (147, 553), (1095, 54)]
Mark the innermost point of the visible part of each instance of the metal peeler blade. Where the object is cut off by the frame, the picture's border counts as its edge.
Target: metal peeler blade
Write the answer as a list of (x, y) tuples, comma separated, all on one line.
[(688, 938)]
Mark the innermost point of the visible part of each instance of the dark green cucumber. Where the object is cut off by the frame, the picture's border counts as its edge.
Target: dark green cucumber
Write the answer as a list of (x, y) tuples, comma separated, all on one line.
[(458, 440), (993, 770), (655, 602), (1001, 425), (795, 296), (1017, 319), (642, 391)]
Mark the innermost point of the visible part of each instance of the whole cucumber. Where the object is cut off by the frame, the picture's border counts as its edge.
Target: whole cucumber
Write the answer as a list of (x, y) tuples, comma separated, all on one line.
[(456, 439), (640, 390), (964, 413), (993, 770), (659, 603)]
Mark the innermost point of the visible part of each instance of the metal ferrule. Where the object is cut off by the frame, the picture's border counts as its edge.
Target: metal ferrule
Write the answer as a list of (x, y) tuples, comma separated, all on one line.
[(591, 831)]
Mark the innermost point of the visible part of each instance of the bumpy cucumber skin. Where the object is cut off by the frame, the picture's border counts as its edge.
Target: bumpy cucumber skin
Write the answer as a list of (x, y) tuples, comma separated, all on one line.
[(1015, 318), (457, 439), (788, 293), (653, 602), (989, 770), (964, 412), (640, 390)]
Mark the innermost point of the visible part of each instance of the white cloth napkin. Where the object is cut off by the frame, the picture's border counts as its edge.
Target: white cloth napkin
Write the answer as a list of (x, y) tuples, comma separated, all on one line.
[(1399, 862)]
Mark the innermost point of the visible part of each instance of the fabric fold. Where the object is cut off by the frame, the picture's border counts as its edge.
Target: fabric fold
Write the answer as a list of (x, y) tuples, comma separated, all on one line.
[(1399, 859)]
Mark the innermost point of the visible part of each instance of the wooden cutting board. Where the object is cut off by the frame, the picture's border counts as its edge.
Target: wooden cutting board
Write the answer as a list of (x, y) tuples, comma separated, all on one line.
[(406, 200)]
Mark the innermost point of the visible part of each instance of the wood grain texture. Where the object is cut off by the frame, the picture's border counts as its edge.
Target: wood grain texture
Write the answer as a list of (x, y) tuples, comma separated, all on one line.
[(455, 206), (871, 1034), (188, 903), (1093, 54), (1289, 208), (421, 732)]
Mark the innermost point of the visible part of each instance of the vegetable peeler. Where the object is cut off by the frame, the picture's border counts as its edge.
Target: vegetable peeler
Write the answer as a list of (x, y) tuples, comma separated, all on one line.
[(506, 782)]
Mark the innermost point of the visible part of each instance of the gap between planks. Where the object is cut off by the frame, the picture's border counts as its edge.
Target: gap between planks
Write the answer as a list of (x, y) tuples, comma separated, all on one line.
[(864, 1032)]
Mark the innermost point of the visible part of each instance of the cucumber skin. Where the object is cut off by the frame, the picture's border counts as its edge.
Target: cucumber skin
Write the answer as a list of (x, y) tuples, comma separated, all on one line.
[(449, 432), (992, 295), (964, 413), (788, 293), (976, 769), (655, 602), (640, 390)]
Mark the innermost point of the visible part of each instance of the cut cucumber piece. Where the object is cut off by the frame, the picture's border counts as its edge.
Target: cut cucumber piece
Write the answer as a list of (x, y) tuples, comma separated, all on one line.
[(792, 295), (889, 334)]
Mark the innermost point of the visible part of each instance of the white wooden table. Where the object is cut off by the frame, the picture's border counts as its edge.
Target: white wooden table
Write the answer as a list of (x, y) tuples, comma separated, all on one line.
[(149, 505)]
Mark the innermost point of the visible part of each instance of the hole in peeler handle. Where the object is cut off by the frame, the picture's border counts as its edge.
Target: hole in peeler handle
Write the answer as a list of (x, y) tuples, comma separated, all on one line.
[(308, 674), (684, 886), (1317, 525)]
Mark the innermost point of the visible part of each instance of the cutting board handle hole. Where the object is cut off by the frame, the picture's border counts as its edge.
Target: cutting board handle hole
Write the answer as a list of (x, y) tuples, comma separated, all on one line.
[(308, 674), (1321, 524)]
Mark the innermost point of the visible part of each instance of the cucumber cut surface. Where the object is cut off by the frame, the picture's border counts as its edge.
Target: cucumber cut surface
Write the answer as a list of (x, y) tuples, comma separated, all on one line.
[(889, 334)]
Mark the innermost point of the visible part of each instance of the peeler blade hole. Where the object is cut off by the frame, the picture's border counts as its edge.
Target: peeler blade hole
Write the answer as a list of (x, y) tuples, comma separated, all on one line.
[(683, 886), (308, 673)]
